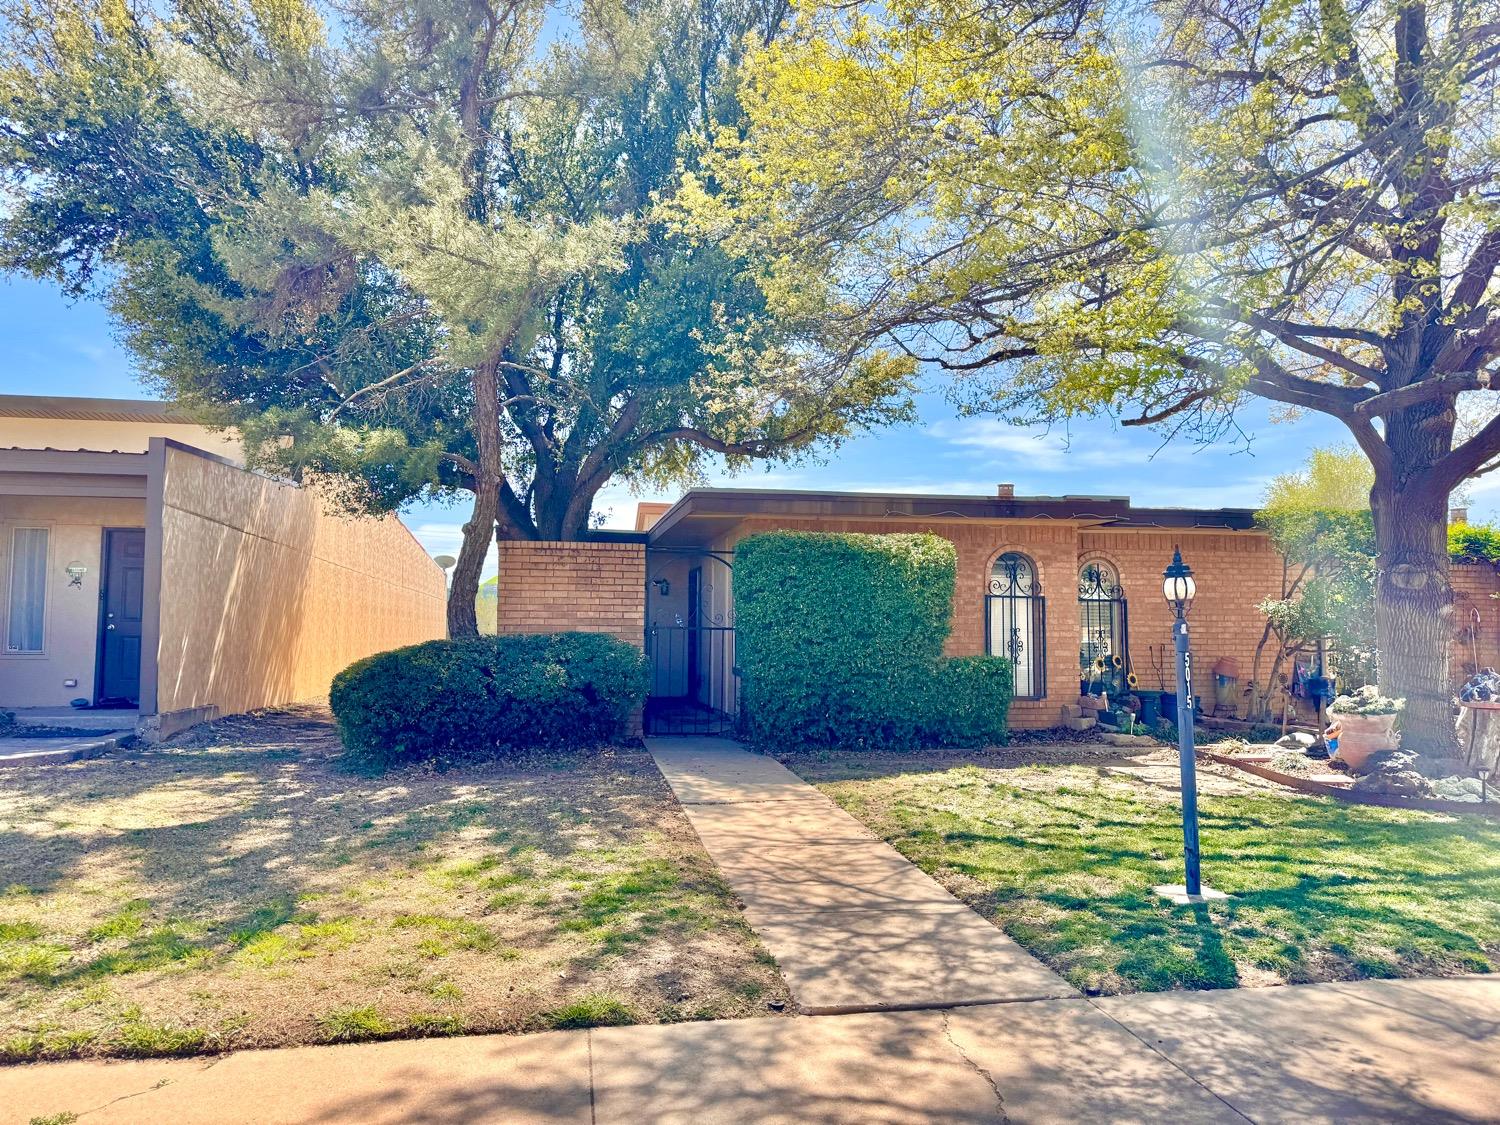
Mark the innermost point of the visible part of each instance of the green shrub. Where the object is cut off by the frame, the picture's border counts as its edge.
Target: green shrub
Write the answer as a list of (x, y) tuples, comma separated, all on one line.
[(970, 701), (836, 635), (839, 642), (448, 700), (1469, 542)]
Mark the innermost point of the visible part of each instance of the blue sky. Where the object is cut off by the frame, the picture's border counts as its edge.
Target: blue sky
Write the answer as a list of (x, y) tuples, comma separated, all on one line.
[(49, 345)]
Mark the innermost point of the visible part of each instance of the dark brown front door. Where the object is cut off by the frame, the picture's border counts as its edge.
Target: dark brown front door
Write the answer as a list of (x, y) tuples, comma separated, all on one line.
[(122, 598)]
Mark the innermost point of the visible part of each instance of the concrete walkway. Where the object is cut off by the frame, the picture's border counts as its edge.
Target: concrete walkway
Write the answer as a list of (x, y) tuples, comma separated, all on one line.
[(1367, 1051), (852, 924)]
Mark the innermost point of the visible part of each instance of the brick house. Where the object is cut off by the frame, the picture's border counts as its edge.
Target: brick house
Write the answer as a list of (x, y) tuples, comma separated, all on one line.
[(1056, 583)]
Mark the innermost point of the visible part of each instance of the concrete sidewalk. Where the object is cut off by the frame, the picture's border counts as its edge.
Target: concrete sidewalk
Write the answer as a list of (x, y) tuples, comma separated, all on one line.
[(1367, 1051), (852, 924)]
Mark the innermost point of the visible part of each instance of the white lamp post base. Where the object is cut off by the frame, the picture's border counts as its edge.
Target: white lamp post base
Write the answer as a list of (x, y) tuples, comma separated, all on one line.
[(1178, 894)]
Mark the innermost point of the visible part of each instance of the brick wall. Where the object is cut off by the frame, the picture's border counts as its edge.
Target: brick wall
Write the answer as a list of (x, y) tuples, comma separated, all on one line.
[(564, 587), (1234, 570), (1476, 591)]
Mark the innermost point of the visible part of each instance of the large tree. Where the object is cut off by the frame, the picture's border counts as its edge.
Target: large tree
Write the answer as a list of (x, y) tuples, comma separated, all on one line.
[(1157, 209), (422, 246)]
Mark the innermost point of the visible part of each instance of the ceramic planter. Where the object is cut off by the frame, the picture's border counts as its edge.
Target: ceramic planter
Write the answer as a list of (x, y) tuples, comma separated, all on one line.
[(1364, 735)]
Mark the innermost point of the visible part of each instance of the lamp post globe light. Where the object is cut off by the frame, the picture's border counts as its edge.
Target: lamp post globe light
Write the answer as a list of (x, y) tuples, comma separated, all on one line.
[(1179, 589)]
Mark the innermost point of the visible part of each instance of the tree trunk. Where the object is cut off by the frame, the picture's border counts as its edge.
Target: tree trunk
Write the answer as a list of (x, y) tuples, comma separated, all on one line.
[(1414, 608), (563, 504), (480, 530)]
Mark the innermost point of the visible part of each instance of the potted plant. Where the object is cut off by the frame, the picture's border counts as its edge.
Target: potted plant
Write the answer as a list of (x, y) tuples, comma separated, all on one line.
[(1368, 724)]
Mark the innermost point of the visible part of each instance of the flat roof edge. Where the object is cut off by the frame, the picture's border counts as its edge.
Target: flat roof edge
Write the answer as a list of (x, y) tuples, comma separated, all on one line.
[(1103, 511), (79, 409)]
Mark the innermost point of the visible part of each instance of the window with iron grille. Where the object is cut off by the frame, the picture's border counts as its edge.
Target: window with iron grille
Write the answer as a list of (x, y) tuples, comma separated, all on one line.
[(1103, 644), (1016, 622)]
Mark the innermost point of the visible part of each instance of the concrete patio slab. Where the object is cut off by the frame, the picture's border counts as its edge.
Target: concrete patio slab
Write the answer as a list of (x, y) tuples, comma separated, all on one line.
[(1065, 1061), (1367, 1050), (493, 1078), (858, 960), (869, 1069), (54, 751)]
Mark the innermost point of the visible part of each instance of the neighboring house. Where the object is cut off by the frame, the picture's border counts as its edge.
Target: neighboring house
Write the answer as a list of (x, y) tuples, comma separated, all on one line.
[(142, 567), (1055, 583)]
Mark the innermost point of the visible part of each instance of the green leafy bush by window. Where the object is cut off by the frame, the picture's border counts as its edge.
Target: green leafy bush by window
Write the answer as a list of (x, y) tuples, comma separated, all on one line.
[(839, 642), (1468, 542), (450, 700), (969, 704)]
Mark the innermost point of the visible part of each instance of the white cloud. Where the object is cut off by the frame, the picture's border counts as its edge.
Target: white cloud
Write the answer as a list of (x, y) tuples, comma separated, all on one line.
[(1057, 451)]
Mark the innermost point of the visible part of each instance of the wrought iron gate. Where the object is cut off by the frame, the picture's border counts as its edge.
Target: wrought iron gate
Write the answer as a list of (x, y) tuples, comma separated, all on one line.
[(1104, 639), (694, 681)]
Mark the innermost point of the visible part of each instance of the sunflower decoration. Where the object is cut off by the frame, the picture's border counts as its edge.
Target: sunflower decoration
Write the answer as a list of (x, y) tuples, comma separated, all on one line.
[(1099, 664), (1116, 661), (1133, 680)]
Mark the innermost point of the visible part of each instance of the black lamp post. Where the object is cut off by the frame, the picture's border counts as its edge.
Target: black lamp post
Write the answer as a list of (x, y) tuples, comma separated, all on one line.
[(1179, 588)]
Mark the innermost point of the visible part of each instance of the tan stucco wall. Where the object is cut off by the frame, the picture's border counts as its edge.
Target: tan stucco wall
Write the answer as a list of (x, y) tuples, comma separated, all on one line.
[(71, 628), (122, 437), (265, 595)]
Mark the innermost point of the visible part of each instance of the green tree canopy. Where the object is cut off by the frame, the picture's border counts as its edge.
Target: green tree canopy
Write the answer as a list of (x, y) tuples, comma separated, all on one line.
[(422, 245), (1159, 209)]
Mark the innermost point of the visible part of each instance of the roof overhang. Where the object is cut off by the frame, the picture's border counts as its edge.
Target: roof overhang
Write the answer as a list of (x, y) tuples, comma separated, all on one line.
[(704, 514), (93, 409), (72, 472)]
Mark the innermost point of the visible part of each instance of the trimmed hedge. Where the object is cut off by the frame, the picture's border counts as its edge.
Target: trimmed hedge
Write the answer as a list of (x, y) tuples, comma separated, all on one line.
[(970, 701), (839, 642), (450, 700)]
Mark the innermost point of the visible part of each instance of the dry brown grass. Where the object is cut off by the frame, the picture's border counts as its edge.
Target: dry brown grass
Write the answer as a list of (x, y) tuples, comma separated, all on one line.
[(240, 888)]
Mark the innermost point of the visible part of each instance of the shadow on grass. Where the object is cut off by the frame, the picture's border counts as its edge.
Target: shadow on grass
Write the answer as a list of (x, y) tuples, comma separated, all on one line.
[(250, 849), (1065, 860)]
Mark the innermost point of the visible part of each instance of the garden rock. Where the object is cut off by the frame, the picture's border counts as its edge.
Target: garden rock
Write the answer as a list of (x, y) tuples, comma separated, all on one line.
[(1434, 768), (1394, 761), (1394, 783), (1457, 788)]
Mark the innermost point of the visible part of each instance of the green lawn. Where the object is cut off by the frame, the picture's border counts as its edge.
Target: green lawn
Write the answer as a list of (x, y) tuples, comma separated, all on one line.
[(1063, 856), (243, 889)]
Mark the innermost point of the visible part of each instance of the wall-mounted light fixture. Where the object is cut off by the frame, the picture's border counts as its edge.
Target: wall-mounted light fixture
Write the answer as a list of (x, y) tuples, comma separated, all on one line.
[(663, 587), (75, 571)]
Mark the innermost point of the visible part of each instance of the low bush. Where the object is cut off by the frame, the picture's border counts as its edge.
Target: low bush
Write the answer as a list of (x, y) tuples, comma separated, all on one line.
[(970, 701), (448, 700), (839, 642)]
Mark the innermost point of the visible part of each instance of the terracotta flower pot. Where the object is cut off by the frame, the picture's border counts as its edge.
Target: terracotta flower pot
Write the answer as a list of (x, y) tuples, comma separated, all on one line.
[(1364, 735)]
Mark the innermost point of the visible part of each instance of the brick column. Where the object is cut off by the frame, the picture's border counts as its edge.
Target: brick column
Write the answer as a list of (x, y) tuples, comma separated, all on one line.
[(573, 587), (548, 587)]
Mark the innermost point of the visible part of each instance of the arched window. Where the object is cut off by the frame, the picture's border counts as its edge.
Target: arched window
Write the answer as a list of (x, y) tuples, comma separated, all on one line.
[(1103, 648), (1016, 622)]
